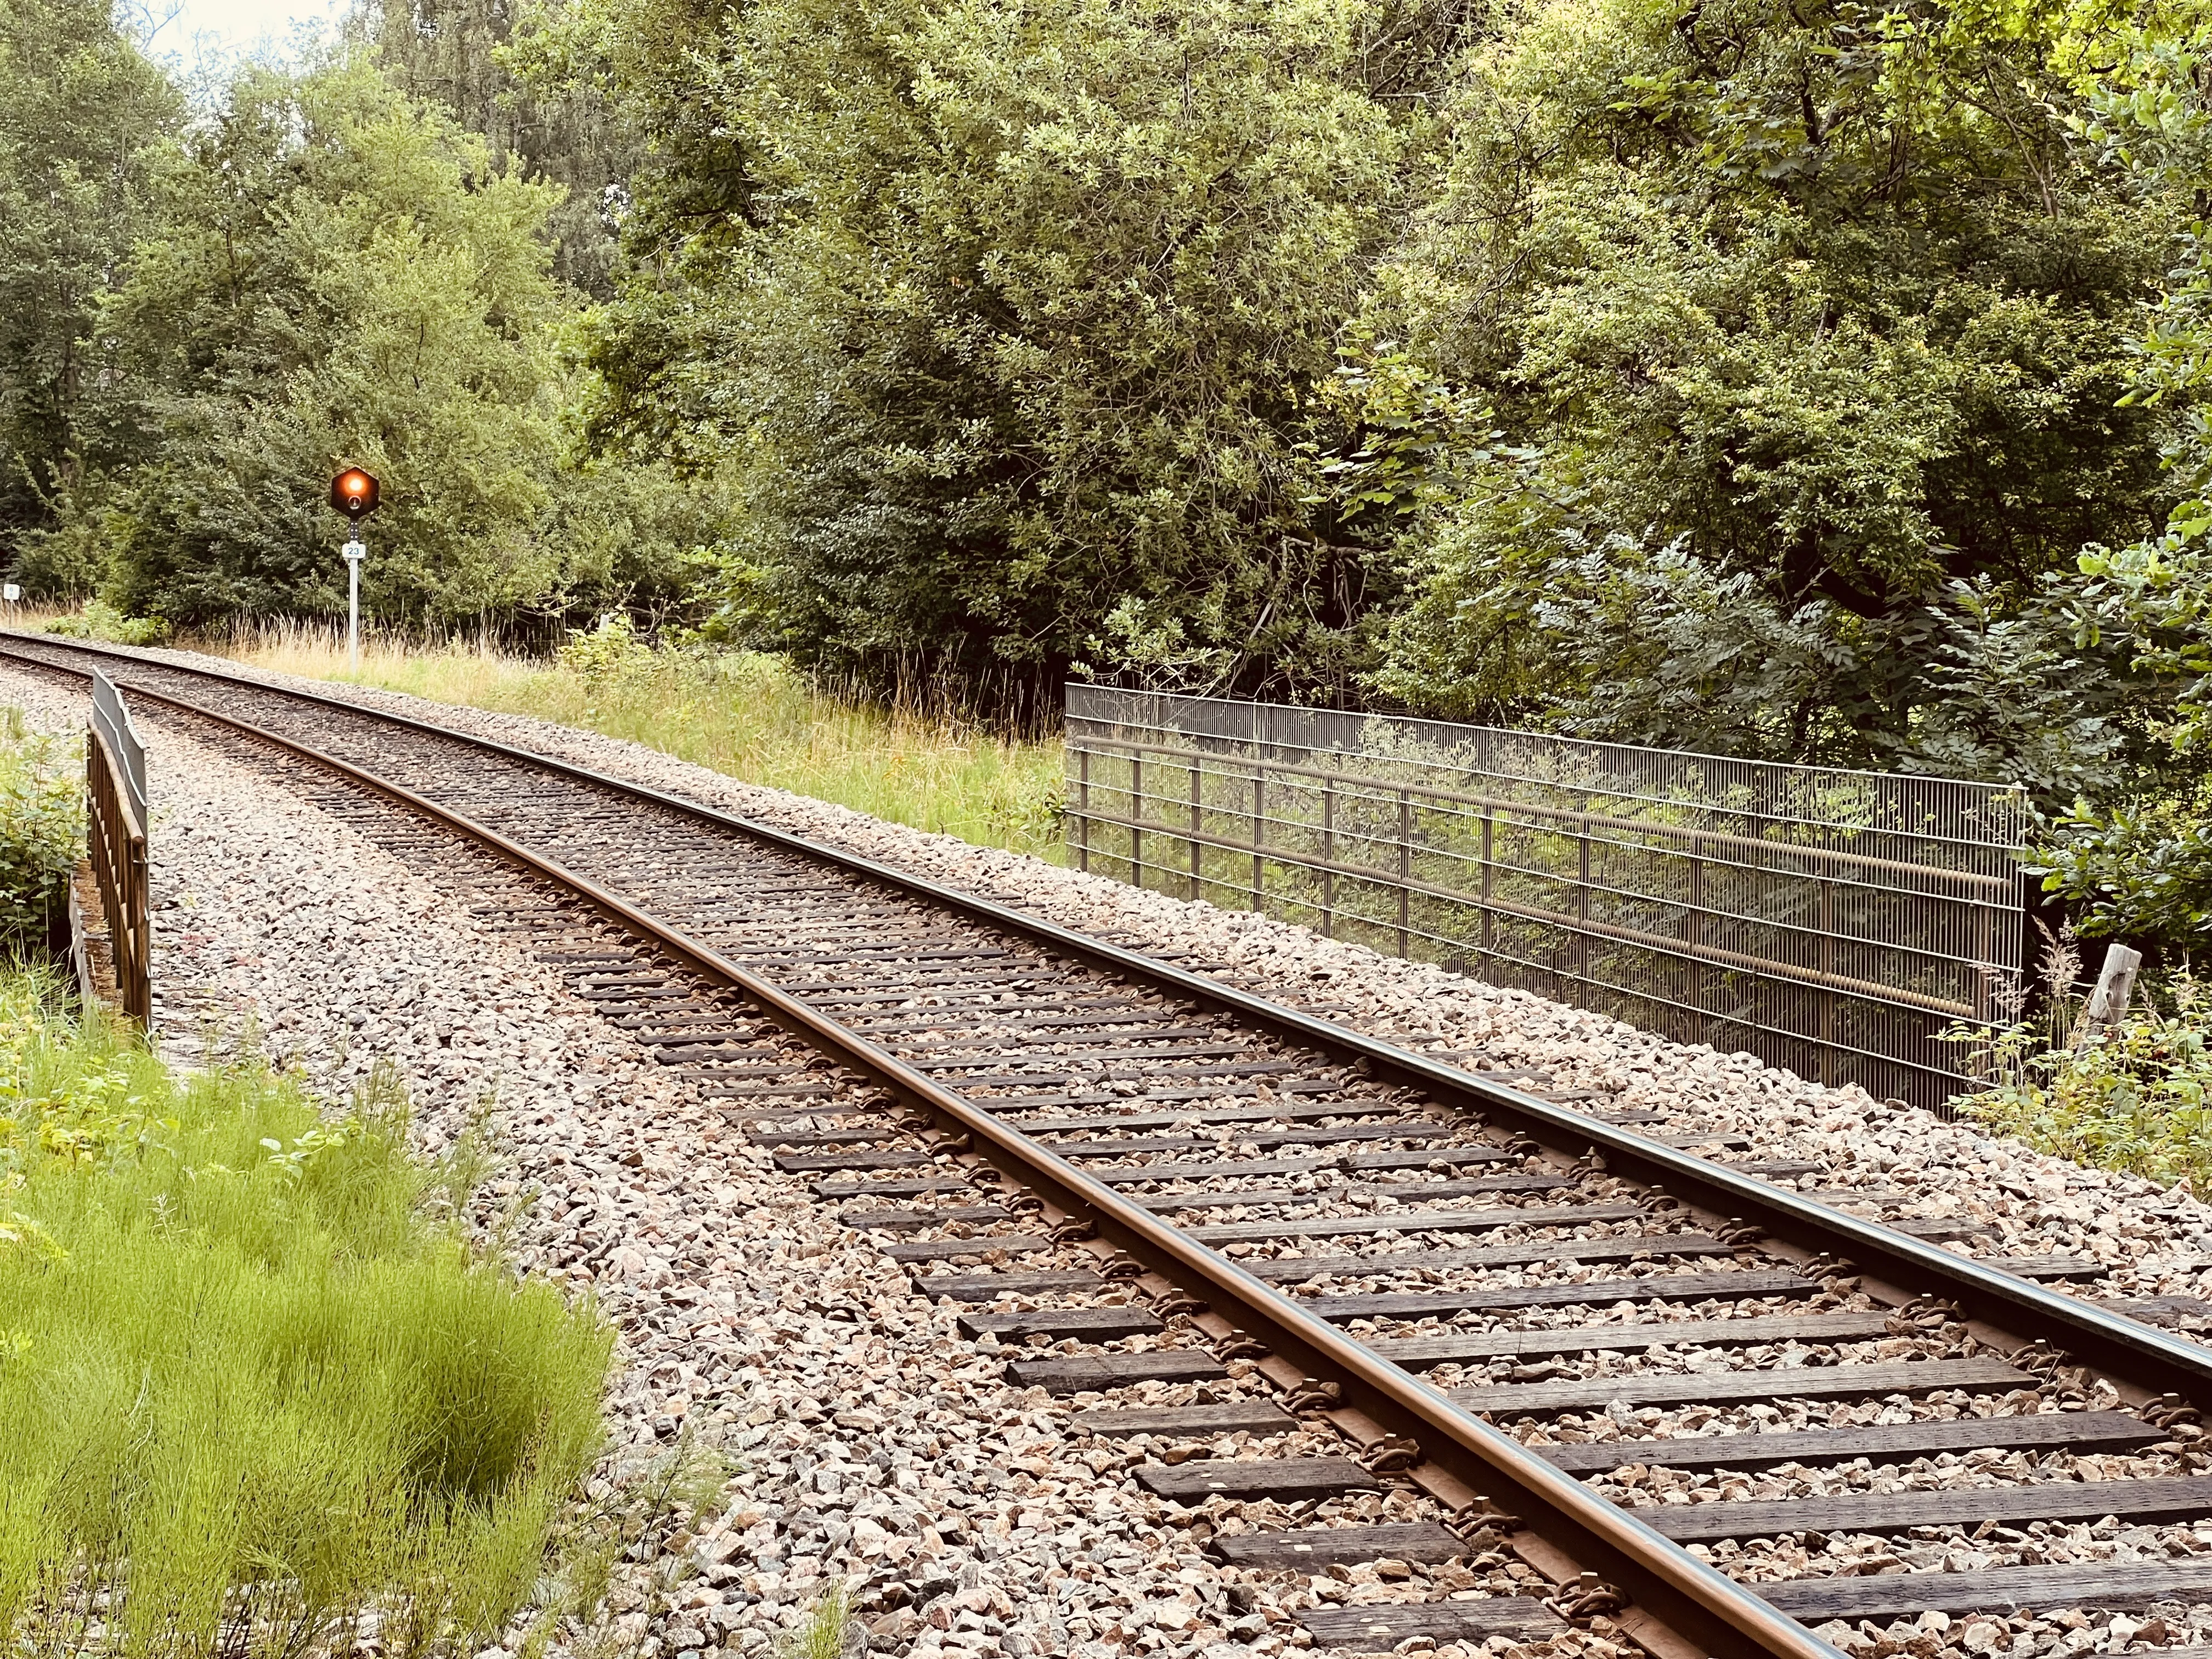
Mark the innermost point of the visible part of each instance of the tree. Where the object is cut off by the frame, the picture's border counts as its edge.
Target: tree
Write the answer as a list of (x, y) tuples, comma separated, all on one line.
[(1809, 336), (80, 111), (1008, 321), (343, 276)]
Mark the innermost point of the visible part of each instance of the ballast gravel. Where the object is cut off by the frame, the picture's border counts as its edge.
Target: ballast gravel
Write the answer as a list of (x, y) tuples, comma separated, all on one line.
[(874, 1444)]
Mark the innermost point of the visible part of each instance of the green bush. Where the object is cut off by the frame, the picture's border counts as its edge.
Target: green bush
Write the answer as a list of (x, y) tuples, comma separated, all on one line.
[(100, 620), (251, 1389), (41, 833), (2133, 1097)]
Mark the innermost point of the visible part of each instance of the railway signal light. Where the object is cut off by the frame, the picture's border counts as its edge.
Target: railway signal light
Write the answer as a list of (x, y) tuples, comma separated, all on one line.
[(355, 493)]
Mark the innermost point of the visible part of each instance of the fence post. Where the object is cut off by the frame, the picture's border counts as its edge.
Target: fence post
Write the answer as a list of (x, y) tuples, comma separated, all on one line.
[(1489, 929), (1197, 828), (1083, 809), (1827, 993), (1582, 915), (1136, 818), (1693, 935), (1329, 856), (1405, 866), (1259, 836)]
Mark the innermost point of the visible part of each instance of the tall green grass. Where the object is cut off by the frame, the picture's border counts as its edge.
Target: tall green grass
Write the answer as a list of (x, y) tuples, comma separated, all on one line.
[(743, 713), (255, 1396)]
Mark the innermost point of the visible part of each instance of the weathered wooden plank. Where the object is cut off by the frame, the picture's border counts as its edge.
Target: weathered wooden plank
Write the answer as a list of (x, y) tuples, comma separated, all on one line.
[(917, 1187), (1386, 1624), (807, 1163), (1077, 1373), (1096, 1324), (1653, 1287), (945, 1250), (1231, 1170), (988, 1287), (1776, 1169), (1881, 1442), (1289, 1479), (1412, 1221), (1721, 1388), (913, 1221), (1473, 1187), (1311, 1548), (1253, 1416), (2045, 1267), (1897, 1511), (2113, 1584), (1135, 1145), (1414, 1350), (1294, 1269), (1260, 1112)]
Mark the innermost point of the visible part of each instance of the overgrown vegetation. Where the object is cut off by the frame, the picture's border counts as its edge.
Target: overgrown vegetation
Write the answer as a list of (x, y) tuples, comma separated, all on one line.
[(2135, 1096), (1820, 386), (41, 837), (256, 1388), (914, 760)]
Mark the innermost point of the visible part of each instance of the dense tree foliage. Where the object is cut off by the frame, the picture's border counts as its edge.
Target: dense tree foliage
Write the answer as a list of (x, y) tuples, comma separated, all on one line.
[(81, 113), (1814, 383)]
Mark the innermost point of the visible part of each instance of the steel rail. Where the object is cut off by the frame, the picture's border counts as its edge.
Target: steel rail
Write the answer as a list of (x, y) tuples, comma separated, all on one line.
[(1693, 1599), (2123, 1347), (2111, 1342)]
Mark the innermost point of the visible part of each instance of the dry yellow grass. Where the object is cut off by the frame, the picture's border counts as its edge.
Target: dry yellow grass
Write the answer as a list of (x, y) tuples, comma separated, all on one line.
[(742, 713)]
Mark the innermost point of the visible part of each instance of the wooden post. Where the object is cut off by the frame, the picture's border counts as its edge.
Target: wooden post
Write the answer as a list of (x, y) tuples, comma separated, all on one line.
[(2108, 1003)]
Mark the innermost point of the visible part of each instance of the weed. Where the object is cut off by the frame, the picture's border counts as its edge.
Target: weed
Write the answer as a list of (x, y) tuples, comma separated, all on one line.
[(748, 715), (253, 1395), (827, 1631)]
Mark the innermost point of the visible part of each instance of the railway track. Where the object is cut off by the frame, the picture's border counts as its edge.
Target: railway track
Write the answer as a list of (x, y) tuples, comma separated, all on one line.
[(1393, 1323)]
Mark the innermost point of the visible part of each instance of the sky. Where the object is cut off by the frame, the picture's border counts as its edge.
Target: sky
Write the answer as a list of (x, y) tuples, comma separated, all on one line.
[(204, 34)]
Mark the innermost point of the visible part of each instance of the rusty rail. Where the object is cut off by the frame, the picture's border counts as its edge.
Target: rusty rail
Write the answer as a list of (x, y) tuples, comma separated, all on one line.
[(115, 838)]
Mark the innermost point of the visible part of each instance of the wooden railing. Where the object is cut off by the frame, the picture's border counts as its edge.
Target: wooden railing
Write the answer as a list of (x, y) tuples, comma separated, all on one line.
[(115, 838)]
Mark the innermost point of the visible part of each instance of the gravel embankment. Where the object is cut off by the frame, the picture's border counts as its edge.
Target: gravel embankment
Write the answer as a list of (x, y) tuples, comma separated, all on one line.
[(871, 1442), (869, 1432)]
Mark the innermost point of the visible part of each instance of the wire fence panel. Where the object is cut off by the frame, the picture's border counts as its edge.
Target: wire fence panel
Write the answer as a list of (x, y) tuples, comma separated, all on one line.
[(1832, 922)]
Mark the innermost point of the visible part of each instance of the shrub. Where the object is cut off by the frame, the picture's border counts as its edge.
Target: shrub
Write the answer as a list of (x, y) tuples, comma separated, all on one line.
[(252, 1390), (2132, 1097), (100, 620), (41, 833)]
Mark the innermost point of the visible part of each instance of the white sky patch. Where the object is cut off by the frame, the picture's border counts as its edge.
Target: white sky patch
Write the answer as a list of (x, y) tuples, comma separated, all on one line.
[(200, 37)]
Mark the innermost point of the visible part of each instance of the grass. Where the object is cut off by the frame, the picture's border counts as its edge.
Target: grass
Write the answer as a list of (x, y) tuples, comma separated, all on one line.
[(747, 715), (2135, 1096), (256, 1392)]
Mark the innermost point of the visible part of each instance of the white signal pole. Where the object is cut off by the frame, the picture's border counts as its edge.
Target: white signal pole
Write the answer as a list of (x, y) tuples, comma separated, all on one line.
[(355, 551)]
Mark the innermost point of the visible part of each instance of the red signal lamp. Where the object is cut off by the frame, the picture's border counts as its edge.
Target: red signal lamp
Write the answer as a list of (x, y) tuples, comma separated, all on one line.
[(354, 492)]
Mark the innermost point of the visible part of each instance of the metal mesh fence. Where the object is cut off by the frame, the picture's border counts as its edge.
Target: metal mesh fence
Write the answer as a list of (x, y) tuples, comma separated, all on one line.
[(1833, 922)]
